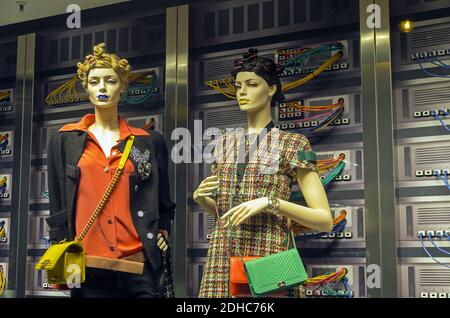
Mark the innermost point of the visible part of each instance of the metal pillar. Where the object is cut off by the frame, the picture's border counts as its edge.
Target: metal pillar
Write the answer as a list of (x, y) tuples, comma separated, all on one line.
[(379, 189), (177, 53), (23, 129)]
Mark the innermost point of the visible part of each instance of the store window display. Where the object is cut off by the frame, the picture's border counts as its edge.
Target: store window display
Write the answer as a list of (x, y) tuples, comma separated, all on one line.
[(249, 198), (125, 243)]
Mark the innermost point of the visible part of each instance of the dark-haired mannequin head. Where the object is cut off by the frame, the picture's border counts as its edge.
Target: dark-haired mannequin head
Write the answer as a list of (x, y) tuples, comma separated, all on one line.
[(253, 92), (258, 87), (263, 67)]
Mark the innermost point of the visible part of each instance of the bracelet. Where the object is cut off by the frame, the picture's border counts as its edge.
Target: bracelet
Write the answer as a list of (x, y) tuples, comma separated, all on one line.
[(274, 204)]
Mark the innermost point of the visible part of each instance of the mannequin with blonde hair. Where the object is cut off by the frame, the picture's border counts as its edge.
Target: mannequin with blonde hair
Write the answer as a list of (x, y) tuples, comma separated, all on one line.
[(124, 245)]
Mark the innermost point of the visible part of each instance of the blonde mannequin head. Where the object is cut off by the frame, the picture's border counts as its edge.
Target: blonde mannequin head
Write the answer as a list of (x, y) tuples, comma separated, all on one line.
[(102, 59)]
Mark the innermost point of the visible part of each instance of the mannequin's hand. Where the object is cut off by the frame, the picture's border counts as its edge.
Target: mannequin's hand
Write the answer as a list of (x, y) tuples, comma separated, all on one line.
[(161, 240), (242, 212), (205, 189)]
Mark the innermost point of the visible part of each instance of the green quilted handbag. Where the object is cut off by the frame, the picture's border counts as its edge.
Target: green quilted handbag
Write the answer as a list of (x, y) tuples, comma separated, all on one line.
[(276, 272)]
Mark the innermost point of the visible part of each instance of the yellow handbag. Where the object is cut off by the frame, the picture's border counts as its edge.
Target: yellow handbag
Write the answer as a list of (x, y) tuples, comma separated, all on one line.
[(65, 262)]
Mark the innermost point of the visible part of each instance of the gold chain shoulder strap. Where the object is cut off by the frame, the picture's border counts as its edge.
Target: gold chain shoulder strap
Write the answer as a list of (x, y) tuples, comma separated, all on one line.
[(109, 190)]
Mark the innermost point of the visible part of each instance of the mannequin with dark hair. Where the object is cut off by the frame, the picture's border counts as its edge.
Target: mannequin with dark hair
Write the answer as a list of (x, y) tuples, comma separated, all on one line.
[(250, 199)]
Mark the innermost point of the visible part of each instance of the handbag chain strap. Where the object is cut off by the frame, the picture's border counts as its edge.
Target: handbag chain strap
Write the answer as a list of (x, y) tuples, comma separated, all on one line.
[(109, 190)]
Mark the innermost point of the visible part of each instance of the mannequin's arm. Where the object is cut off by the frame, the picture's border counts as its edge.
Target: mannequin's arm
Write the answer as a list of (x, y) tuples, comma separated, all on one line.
[(56, 184), (166, 205), (316, 215), (202, 195), (208, 204)]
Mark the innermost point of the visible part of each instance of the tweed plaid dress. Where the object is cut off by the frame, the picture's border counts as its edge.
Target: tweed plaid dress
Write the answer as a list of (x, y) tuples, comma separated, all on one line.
[(262, 234)]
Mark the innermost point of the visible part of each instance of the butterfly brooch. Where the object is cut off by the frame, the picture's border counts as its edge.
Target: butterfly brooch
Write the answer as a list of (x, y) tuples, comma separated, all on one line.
[(142, 159)]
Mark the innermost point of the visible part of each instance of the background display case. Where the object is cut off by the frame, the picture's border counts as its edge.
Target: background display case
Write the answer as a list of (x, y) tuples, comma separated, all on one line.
[(8, 52), (420, 88)]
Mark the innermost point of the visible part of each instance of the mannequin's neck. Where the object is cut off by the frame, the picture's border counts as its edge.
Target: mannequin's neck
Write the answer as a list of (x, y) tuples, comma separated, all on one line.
[(259, 120), (106, 119)]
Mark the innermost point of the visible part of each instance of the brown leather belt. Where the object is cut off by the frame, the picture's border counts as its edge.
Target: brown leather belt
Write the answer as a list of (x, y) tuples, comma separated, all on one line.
[(137, 257), (130, 264)]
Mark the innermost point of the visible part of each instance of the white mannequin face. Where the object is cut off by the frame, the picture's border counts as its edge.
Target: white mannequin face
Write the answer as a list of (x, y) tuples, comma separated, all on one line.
[(104, 87), (253, 93)]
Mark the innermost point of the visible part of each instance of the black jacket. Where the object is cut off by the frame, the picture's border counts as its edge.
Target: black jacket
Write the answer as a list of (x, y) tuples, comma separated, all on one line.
[(150, 204)]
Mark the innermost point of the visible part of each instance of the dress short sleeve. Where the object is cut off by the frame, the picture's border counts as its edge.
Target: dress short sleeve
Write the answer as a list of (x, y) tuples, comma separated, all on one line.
[(294, 144)]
